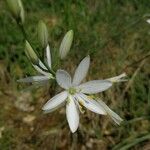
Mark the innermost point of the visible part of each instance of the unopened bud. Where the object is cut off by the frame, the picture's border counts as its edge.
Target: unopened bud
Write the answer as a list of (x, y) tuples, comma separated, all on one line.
[(43, 34), (66, 44), (148, 21), (30, 53), (16, 9)]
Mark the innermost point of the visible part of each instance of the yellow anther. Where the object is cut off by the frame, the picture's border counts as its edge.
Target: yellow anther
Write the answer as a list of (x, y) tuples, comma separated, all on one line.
[(81, 102), (91, 97), (81, 109)]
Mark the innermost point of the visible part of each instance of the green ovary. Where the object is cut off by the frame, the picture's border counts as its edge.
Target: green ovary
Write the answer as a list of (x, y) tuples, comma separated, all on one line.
[(72, 91)]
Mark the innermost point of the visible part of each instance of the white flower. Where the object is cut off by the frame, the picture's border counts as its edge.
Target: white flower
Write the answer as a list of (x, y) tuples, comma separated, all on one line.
[(42, 69), (75, 95)]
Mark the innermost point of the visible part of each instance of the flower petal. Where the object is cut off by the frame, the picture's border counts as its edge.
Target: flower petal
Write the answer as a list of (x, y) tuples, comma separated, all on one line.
[(72, 114), (42, 65), (63, 79), (40, 70), (90, 104), (94, 86), (119, 78), (34, 79), (53, 109), (48, 56), (111, 113), (81, 71), (55, 101)]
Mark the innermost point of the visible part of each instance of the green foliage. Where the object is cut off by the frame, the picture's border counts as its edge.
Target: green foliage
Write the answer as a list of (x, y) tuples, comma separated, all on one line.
[(6, 143)]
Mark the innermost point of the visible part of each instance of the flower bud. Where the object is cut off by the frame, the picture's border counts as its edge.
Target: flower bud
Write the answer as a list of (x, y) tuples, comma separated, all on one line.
[(30, 53), (148, 21), (22, 14), (42, 34), (16, 9), (66, 44)]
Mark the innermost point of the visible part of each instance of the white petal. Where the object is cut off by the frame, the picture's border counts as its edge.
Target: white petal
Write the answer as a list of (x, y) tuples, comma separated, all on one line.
[(55, 101), (34, 79), (42, 65), (63, 79), (40, 70), (51, 110), (119, 78), (111, 113), (94, 86), (72, 114), (90, 104), (48, 56), (81, 71)]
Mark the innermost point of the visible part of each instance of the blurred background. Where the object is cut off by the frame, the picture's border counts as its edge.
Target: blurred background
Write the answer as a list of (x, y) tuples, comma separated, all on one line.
[(116, 36)]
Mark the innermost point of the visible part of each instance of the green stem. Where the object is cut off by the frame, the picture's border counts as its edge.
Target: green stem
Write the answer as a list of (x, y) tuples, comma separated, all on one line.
[(135, 142), (22, 30), (21, 27), (130, 142)]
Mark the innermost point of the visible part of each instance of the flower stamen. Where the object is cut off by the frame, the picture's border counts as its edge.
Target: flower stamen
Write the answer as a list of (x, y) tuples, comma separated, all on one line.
[(72, 91)]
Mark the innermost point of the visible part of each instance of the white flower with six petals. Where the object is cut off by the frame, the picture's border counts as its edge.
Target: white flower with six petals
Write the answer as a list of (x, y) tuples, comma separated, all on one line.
[(75, 94)]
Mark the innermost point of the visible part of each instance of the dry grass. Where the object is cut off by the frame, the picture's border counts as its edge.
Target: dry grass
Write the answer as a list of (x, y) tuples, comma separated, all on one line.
[(115, 34)]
